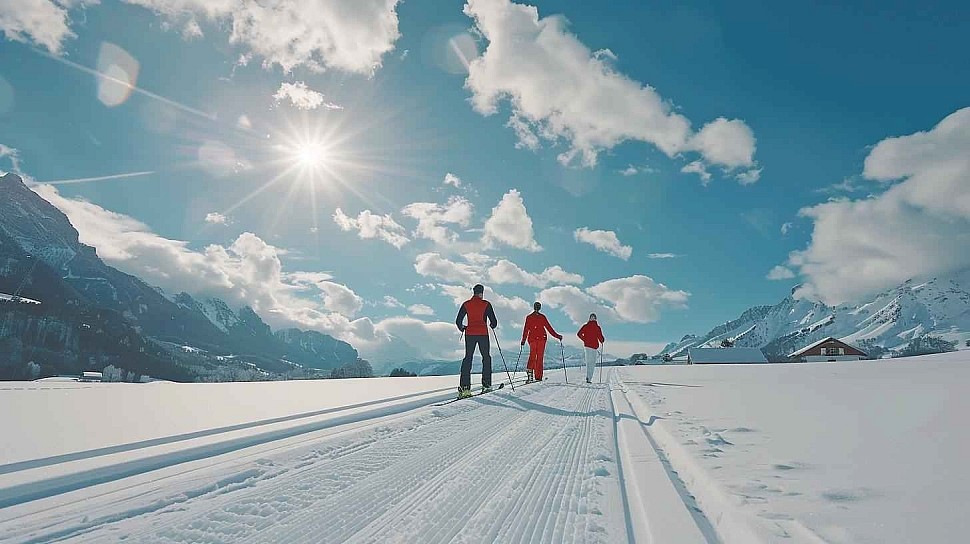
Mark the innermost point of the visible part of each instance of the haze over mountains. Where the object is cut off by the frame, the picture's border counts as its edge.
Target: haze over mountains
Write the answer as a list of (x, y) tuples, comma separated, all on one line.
[(93, 314)]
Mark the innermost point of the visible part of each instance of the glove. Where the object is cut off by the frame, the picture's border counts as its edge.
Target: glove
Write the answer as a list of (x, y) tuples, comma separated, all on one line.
[(523, 343), (493, 326), (559, 338), (461, 328)]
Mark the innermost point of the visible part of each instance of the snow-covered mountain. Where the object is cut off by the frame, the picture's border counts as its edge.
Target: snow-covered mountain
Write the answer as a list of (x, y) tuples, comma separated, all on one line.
[(891, 320)]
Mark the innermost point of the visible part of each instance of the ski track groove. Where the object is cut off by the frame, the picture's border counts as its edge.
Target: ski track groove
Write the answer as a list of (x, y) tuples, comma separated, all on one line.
[(359, 504), (416, 499), (556, 491), (435, 479), (335, 456), (533, 499)]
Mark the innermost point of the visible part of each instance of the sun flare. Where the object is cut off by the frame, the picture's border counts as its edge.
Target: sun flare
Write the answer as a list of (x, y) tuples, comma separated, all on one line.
[(310, 154)]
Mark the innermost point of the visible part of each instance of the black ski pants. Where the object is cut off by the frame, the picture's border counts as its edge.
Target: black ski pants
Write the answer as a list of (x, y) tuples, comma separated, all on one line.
[(466, 363)]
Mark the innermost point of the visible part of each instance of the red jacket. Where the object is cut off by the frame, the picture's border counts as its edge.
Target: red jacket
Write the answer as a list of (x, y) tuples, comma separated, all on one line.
[(476, 309), (536, 326), (591, 334)]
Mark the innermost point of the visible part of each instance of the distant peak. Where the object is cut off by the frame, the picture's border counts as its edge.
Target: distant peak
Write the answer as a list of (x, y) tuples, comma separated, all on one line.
[(12, 178)]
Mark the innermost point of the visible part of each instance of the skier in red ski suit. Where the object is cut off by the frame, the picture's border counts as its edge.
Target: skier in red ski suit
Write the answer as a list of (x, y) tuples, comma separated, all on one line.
[(534, 331)]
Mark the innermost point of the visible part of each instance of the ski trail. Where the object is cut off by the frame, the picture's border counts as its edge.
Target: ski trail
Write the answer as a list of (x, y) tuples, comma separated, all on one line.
[(533, 466)]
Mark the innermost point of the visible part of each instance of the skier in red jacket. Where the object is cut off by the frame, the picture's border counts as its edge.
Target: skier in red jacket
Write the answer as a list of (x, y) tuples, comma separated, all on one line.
[(477, 310), (592, 336), (534, 331)]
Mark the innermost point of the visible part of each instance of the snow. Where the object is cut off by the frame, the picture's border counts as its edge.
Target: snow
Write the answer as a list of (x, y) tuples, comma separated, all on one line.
[(869, 451), (7, 298)]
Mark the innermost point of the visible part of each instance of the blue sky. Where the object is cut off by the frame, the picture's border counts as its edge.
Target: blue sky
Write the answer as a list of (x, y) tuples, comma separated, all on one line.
[(691, 134)]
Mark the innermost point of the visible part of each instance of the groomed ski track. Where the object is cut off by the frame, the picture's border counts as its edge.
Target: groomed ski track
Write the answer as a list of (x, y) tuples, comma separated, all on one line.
[(551, 463)]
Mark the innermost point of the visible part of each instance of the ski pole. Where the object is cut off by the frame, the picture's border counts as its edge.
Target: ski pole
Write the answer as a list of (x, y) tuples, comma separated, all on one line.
[(517, 359), (562, 350), (495, 335)]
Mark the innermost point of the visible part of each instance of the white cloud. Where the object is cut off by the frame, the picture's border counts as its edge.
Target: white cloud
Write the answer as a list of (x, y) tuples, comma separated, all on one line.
[(431, 216), (605, 241), (302, 97), (918, 227), (635, 299), (780, 273), (505, 271), (749, 176), (43, 22), (576, 304), (697, 167), (392, 302), (786, 228), (420, 309), (483, 269), (663, 255), (369, 225), (349, 35), (12, 155), (340, 298), (244, 122), (433, 265), (560, 90), (453, 180), (639, 299), (729, 144), (632, 170), (510, 224), (216, 218)]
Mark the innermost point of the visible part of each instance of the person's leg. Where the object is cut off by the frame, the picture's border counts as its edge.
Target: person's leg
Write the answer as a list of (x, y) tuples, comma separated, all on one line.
[(483, 347), (465, 382), (533, 357), (540, 350), (590, 363)]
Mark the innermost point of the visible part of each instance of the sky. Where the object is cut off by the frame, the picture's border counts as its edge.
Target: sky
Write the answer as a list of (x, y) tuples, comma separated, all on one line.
[(354, 167)]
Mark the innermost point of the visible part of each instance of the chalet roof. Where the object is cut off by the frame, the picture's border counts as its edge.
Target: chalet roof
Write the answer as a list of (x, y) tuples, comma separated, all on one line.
[(726, 355), (809, 347)]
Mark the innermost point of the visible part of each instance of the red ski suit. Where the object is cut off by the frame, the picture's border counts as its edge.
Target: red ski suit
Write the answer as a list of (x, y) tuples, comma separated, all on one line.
[(591, 334), (534, 331)]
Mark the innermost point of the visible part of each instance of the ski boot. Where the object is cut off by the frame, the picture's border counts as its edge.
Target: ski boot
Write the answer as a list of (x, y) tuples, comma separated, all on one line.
[(464, 393), (487, 389)]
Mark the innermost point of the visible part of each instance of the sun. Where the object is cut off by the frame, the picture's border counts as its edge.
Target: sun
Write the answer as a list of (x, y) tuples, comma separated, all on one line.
[(310, 154)]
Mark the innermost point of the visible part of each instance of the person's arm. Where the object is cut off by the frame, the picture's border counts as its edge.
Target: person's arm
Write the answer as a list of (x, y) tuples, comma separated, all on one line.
[(582, 333), (490, 314), (602, 339), (551, 330), (461, 317), (525, 330)]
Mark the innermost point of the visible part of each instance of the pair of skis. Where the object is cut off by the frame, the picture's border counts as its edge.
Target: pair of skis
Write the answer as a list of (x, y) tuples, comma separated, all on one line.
[(480, 392)]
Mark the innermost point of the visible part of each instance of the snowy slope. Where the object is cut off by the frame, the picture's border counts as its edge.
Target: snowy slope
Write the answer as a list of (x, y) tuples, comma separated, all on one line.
[(891, 319), (806, 453)]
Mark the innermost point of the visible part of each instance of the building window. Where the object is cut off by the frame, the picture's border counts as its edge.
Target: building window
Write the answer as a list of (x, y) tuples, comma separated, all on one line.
[(833, 351)]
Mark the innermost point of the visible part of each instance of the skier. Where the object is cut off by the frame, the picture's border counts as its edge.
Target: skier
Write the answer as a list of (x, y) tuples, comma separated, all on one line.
[(592, 336), (477, 310), (534, 330)]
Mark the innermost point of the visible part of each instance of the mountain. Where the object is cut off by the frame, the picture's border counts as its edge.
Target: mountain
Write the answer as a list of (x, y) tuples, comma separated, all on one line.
[(42, 258), (890, 320)]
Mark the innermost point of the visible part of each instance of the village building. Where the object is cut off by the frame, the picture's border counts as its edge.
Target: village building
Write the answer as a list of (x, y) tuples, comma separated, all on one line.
[(828, 350)]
